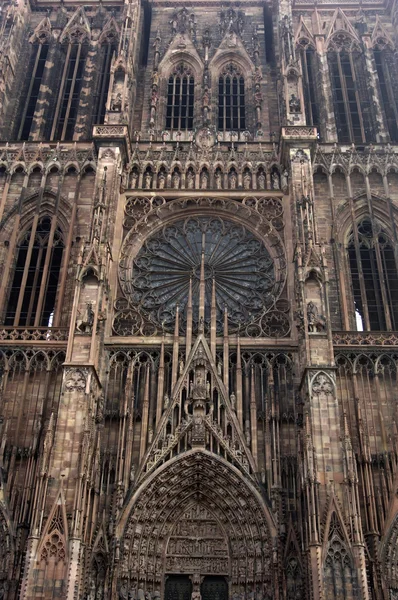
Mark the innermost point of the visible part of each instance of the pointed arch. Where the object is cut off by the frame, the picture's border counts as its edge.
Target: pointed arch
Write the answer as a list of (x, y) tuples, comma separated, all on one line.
[(33, 289), (52, 551), (220, 489), (339, 574), (389, 558)]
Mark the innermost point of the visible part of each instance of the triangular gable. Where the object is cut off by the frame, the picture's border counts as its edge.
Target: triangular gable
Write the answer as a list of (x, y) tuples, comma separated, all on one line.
[(303, 32), (231, 48), (56, 525), (380, 35), (158, 452), (77, 28), (334, 523), (42, 31), (110, 31), (181, 48), (340, 23), (292, 546)]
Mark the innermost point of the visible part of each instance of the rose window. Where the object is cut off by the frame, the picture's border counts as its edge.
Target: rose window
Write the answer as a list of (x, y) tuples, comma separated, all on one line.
[(234, 258)]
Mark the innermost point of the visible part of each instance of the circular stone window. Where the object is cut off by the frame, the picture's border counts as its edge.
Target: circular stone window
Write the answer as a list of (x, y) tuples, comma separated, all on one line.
[(239, 264)]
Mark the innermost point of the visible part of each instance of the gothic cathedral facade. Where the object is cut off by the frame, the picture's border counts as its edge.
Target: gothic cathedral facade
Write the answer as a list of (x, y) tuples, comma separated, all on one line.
[(199, 300)]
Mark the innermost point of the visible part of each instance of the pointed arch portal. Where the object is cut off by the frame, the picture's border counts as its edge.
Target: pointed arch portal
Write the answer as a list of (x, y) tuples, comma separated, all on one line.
[(199, 517)]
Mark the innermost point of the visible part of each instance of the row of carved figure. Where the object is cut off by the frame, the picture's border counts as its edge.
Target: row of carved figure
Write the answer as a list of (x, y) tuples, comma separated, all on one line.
[(261, 180)]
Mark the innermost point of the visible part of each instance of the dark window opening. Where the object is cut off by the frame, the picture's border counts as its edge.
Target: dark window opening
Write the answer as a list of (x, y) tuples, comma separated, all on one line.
[(34, 287), (308, 64), (180, 102), (379, 277), (36, 70), (347, 106), (71, 94), (231, 102), (103, 85), (387, 93)]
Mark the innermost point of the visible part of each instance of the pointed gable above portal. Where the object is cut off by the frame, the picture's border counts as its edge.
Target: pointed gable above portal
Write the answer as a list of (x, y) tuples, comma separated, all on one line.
[(198, 383)]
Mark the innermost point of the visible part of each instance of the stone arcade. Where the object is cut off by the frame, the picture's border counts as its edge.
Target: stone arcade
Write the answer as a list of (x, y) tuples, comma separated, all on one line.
[(198, 300)]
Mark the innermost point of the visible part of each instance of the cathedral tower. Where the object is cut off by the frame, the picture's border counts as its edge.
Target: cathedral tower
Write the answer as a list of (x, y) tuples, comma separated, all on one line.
[(198, 300)]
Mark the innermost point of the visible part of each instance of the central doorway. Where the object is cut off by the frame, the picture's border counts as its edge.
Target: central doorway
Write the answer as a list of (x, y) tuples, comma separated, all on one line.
[(214, 588), (178, 587)]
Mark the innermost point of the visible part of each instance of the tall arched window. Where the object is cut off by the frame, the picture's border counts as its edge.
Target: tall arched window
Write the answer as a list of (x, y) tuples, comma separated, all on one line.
[(308, 68), (350, 93), (36, 70), (34, 287), (374, 278), (384, 60), (103, 84), (231, 100), (69, 93), (180, 100)]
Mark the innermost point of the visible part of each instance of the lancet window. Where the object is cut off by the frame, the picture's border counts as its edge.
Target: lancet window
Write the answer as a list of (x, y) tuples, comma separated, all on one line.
[(69, 92), (231, 100), (374, 278), (180, 100), (308, 68), (103, 84), (350, 102), (384, 61), (38, 61), (34, 286)]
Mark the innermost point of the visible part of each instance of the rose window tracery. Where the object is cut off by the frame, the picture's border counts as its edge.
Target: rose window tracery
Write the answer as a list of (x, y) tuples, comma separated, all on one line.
[(238, 262)]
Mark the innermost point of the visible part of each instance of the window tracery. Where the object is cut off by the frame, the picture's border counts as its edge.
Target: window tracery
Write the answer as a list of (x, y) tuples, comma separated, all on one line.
[(374, 277), (350, 95), (239, 263), (384, 61), (308, 67), (37, 72), (231, 99), (180, 99), (34, 287)]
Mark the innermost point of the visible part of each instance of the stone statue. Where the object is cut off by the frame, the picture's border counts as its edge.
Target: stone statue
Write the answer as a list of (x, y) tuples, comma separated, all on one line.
[(161, 180), (247, 181), (176, 180), (316, 322), (117, 103), (232, 399), (275, 181), (261, 181), (123, 591), (285, 181), (219, 368), (91, 593), (134, 180), (147, 180), (204, 180), (141, 594), (218, 180), (196, 595), (132, 473), (85, 324), (190, 180), (166, 401), (233, 180), (99, 417), (294, 104), (181, 367)]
